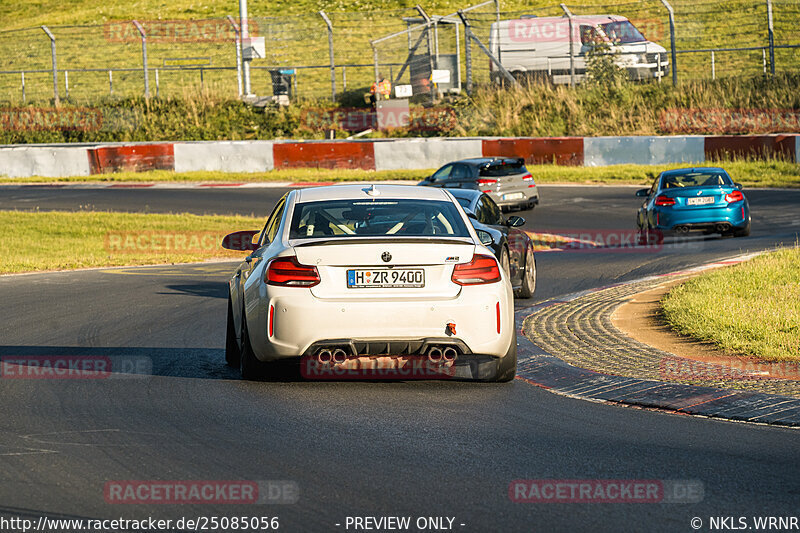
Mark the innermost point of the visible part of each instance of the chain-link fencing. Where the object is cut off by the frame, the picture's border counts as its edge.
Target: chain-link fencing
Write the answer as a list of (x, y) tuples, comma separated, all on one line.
[(338, 55)]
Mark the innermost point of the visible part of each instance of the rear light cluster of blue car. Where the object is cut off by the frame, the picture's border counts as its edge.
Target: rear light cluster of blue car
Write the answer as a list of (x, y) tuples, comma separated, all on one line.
[(735, 196), (288, 272), (482, 269), (664, 200)]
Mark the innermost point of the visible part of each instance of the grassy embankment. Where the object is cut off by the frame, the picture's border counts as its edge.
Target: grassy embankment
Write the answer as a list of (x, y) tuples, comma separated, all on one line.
[(58, 241), (751, 309)]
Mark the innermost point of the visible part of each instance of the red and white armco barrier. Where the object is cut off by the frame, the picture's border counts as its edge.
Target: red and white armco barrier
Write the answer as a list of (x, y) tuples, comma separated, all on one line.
[(386, 154)]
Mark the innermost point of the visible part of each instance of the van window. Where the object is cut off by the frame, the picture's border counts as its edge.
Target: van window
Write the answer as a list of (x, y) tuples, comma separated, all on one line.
[(498, 170), (622, 32)]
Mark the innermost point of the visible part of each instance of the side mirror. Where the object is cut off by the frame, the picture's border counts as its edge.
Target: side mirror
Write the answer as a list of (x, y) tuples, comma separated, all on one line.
[(485, 237), (471, 215), (643, 193), (515, 221), (240, 241), (738, 186)]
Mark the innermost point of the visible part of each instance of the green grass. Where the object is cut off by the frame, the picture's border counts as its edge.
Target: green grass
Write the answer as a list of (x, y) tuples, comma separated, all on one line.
[(58, 240), (749, 173), (751, 309)]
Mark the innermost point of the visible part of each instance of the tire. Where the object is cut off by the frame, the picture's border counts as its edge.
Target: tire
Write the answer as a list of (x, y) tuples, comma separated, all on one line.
[(507, 368), (744, 232), (505, 263), (529, 276), (233, 353), (250, 367)]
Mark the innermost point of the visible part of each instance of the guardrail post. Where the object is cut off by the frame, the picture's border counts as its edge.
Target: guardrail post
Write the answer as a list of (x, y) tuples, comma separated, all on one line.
[(771, 30), (144, 59), (672, 41), (55, 64), (237, 39), (568, 13), (330, 53)]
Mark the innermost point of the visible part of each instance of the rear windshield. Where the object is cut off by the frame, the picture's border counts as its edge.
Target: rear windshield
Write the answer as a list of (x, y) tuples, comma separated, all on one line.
[(695, 179), (498, 170), (367, 218)]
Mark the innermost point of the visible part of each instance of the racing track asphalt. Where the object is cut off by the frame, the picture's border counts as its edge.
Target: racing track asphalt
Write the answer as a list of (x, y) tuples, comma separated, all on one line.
[(355, 449)]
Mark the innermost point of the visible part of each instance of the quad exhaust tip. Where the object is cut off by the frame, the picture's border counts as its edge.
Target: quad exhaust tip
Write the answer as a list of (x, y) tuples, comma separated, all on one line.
[(325, 356), (339, 356), (435, 354), (449, 354)]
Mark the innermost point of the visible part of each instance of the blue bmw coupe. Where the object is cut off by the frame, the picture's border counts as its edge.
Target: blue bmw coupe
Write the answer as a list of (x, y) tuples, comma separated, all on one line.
[(703, 199)]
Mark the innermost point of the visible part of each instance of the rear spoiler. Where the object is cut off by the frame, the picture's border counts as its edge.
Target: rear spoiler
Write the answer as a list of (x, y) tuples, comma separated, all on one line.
[(377, 240), (519, 160)]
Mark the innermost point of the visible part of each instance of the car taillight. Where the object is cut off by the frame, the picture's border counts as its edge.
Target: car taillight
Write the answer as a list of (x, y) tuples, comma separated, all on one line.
[(484, 182), (664, 200), (286, 271), (529, 180), (735, 196), (482, 269)]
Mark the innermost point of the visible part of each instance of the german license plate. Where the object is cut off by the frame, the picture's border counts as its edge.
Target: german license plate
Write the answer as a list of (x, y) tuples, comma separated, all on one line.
[(703, 200), (402, 278), (513, 196)]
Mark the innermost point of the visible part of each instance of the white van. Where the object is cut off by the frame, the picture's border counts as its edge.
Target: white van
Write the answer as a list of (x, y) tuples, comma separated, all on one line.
[(538, 47)]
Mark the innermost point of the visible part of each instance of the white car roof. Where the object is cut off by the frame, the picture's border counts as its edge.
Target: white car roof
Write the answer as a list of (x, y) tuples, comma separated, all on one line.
[(361, 190)]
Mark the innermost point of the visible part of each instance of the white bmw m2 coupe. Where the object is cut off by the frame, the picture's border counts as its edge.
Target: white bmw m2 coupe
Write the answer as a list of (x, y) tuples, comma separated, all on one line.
[(361, 276)]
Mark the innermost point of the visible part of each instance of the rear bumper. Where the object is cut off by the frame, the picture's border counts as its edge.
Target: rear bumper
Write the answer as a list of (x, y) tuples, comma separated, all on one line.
[(302, 322), (734, 215), (529, 195)]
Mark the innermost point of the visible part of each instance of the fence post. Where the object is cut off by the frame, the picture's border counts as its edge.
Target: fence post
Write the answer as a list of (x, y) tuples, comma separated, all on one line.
[(672, 41), (158, 85), (713, 66), (571, 46), (467, 53), (245, 35), (497, 19), (110, 82), (144, 59), (375, 62), (771, 38), (330, 53), (55, 64), (23, 86), (66, 84), (433, 64), (238, 41)]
